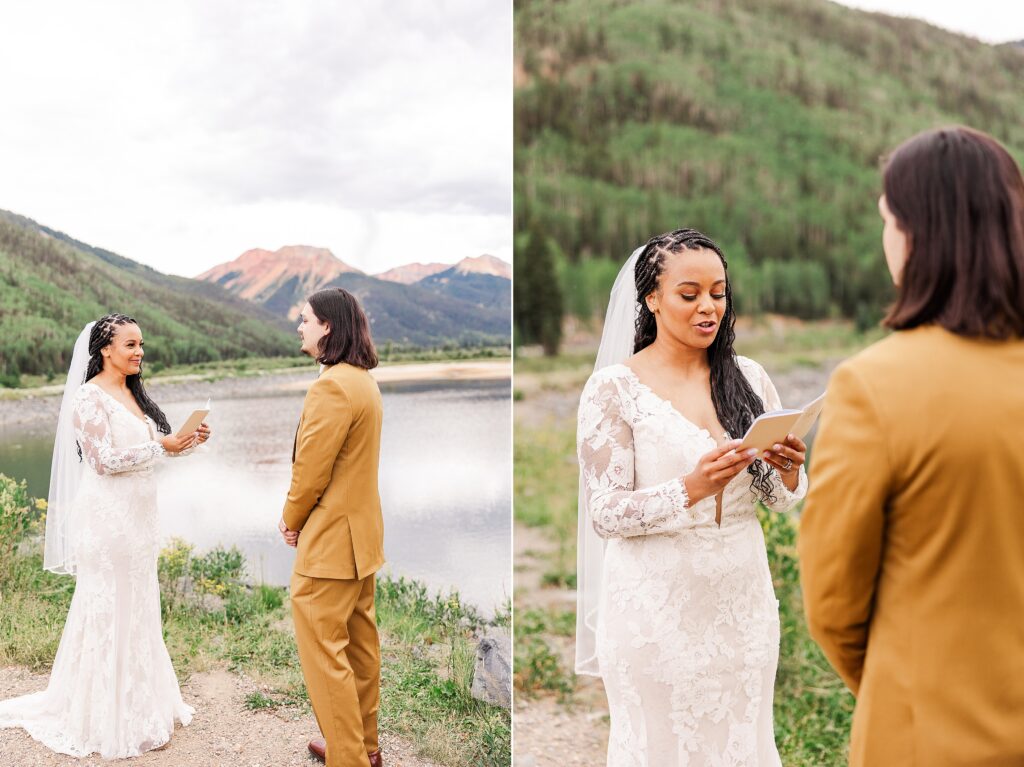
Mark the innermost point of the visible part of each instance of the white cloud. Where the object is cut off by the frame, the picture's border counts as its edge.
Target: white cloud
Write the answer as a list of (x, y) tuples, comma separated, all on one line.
[(182, 134), (992, 21)]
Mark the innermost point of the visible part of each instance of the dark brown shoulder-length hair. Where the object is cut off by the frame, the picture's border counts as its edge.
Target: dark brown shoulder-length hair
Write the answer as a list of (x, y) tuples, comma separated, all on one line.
[(349, 340), (959, 197)]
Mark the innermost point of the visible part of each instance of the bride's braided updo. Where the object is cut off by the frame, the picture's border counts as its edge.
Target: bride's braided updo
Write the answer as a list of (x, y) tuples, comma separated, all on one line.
[(736, 404), (101, 335)]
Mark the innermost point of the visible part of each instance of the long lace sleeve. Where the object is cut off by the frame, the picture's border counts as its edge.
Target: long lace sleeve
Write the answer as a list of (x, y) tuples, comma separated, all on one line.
[(92, 429), (202, 448), (604, 443), (785, 499)]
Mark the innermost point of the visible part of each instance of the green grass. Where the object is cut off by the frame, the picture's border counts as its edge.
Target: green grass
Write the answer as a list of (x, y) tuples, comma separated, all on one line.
[(546, 479), (212, 619), (812, 707)]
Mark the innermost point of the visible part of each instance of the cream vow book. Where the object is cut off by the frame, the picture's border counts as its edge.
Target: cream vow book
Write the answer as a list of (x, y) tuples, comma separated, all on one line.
[(194, 421), (772, 428)]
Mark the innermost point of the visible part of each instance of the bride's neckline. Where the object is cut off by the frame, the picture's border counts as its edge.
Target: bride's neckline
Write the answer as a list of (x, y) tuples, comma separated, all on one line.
[(145, 419), (667, 402)]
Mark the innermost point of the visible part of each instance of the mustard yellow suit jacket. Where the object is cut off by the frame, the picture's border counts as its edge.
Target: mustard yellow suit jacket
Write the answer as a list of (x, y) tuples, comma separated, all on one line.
[(334, 499), (912, 548)]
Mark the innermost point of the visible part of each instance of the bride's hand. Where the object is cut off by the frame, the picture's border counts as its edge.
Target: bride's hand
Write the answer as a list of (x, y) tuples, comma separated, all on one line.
[(787, 457), (715, 470), (202, 433), (173, 444)]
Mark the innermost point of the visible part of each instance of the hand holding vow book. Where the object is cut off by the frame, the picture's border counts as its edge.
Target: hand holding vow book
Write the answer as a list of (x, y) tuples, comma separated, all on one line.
[(194, 421), (771, 428)]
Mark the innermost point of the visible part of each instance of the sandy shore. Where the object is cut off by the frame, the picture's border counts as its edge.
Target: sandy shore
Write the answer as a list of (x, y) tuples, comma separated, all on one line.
[(430, 371), (41, 405)]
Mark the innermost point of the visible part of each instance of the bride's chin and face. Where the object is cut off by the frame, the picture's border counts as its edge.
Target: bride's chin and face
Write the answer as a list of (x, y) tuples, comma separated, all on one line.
[(690, 300), (124, 353)]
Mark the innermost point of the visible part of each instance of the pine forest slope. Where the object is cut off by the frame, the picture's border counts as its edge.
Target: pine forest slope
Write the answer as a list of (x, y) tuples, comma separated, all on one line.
[(759, 122), (51, 285)]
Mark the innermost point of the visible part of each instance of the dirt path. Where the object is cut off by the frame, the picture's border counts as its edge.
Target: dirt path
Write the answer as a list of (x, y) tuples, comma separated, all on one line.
[(549, 733), (222, 733)]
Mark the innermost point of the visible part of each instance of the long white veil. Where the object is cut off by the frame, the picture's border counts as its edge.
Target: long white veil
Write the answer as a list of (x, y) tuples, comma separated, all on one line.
[(67, 467), (616, 346)]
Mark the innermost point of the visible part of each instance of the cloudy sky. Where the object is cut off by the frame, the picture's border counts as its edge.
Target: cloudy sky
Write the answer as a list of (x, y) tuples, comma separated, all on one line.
[(182, 134), (993, 21)]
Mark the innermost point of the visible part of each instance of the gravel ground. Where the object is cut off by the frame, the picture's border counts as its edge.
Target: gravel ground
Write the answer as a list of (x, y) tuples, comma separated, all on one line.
[(222, 732), (548, 734)]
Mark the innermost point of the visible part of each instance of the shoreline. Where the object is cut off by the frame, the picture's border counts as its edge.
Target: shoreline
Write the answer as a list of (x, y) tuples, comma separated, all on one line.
[(40, 405)]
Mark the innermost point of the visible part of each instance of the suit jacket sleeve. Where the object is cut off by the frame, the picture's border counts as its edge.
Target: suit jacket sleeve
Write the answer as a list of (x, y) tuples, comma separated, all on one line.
[(843, 524), (326, 417)]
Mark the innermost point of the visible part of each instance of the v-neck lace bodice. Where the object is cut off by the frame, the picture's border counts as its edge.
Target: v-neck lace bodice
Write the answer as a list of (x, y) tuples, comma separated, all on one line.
[(639, 384), (145, 419), (687, 627)]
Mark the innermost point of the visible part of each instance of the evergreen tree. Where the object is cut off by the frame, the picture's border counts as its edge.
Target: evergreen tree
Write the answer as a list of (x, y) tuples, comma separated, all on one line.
[(537, 295)]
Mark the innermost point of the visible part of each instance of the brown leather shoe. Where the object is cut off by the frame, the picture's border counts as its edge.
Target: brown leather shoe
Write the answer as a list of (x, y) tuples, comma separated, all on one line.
[(318, 748)]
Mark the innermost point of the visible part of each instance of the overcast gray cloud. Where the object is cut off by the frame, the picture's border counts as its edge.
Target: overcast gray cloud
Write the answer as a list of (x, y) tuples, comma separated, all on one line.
[(182, 134)]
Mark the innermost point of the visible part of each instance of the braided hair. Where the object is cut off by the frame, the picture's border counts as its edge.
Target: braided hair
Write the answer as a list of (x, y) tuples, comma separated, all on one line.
[(736, 403), (101, 336)]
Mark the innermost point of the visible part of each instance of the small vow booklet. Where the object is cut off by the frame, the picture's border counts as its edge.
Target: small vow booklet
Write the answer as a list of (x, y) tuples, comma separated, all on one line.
[(772, 428), (194, 421)]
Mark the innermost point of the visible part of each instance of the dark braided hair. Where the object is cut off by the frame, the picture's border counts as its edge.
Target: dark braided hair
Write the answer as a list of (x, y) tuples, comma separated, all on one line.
[(100, 337), (735, 402)]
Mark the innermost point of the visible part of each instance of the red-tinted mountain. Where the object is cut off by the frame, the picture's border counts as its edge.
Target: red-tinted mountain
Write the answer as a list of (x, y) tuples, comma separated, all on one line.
[(464, 303), (485, 265), (279, 280), (411, 273)]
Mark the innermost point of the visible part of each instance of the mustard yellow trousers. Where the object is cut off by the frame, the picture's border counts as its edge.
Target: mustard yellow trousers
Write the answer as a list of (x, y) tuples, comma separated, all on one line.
[(336, 632)]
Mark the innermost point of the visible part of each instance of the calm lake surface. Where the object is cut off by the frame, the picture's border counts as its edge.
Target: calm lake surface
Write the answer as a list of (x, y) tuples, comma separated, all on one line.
[(445, 481)]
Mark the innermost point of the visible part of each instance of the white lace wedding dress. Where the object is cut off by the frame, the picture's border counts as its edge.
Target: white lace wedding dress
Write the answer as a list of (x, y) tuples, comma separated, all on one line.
[(688, 625), (112, 689)]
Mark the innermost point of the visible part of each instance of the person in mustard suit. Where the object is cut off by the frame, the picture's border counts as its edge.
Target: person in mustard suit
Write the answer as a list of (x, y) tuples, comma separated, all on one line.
[(912, 537), (333, 516)]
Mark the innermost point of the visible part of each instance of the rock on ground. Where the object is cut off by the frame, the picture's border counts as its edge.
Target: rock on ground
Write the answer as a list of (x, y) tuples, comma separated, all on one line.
[(222, 733), (492, 675)]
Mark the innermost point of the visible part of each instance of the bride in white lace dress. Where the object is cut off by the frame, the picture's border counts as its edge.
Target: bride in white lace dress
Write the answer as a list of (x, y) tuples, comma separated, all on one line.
[(112, 689), (677, 612)]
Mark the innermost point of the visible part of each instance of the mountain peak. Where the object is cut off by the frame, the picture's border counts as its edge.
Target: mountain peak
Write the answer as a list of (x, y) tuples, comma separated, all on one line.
[(411, 273), (484, 264), (287, 274)]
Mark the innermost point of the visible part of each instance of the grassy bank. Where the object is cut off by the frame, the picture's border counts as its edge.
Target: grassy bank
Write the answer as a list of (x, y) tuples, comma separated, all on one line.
[(812, 708), (213, 619)]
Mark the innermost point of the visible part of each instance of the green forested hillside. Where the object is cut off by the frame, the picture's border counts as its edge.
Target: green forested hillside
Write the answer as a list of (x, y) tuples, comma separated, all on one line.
[(52, 285), (759, 122)]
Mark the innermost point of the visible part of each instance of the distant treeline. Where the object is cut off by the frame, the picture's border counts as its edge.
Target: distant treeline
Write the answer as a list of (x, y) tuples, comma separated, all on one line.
[(761, 123)]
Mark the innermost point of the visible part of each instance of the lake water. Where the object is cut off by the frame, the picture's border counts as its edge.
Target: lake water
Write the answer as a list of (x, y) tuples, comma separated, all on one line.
[(445, 481)]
